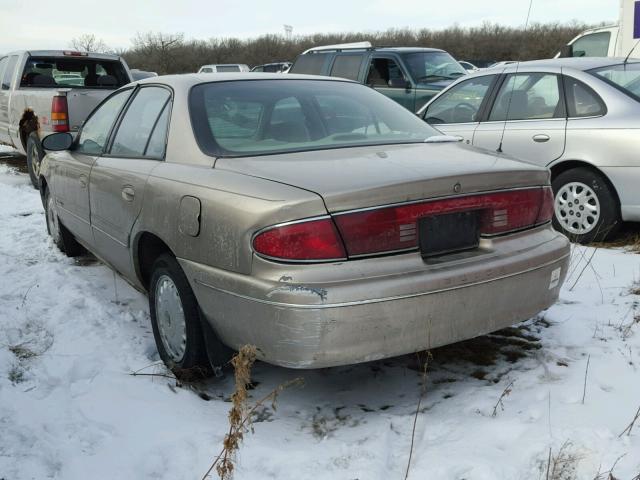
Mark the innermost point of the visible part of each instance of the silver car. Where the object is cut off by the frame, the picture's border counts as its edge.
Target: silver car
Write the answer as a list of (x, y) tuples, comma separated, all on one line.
[(312, 217), (578, 116)]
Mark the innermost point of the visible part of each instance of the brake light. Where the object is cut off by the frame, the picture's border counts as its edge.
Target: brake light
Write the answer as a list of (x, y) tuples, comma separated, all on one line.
[(395, 228), (59, 114), (312, 240), (73, 53)]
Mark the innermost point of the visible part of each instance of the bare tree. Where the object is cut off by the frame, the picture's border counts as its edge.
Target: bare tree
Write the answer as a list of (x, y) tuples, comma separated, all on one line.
[(89, 43)]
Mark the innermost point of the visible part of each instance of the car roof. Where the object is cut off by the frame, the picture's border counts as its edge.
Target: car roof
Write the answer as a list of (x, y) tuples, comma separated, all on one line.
[(60, 53), (187, 80), (222, 65), (577, 63)]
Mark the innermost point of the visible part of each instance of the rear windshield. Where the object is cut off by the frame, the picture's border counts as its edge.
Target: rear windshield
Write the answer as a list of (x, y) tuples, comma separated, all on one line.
[(78, 72), (227, 68), (625, 77), (244, 118), (429, 67)]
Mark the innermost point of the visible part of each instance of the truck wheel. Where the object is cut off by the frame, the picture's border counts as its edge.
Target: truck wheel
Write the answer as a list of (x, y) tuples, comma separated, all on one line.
[(177, 321), (35, 154), (586, 206), (59, 234)]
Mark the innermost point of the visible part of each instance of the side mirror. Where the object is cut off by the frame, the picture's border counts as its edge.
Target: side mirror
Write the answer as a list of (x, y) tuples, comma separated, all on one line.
[(398, 83), (57, 142), (566, 51)]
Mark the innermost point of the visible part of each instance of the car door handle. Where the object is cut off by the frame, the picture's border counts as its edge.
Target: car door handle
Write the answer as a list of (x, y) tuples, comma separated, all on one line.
[(128, 194), (541, 138), (83, 181)]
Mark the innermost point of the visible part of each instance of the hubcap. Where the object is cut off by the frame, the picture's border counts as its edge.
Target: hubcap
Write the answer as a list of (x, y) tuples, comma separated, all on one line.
[(172, 325), (52, 219), (577, 208)]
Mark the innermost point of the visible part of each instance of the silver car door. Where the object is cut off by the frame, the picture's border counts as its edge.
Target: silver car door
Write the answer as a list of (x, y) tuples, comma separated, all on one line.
[(457, 110), (118, 178), (71, 186), (527, 118)]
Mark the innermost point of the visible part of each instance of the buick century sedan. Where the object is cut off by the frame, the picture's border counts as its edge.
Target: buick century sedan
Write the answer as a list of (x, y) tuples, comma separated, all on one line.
[(311, 217)]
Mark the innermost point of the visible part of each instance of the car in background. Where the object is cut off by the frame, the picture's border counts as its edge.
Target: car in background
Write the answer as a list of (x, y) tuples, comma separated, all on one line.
[(138, 74), (46, 91), (278, 67), (224, 68), (410, 76), (578, 116), (468, 66), (311, 217)]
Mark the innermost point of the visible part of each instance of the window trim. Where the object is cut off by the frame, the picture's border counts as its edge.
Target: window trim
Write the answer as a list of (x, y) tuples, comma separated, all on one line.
[(569, 97), (106, 153), (76, 140), (504, 79)]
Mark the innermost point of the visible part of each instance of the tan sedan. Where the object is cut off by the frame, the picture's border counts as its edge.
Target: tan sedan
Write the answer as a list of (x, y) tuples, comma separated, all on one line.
[(312, 217)]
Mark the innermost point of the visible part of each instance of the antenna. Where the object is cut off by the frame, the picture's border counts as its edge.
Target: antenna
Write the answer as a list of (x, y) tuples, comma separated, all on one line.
[(506, 116), (627, 57)]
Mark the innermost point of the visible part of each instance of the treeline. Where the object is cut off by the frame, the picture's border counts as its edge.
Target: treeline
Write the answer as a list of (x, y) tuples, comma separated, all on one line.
[(172, 53)]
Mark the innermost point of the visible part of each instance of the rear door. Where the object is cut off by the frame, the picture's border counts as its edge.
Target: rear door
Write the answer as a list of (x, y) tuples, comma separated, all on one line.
[(118, 178), (72, 168), (527, 118), (386, 75), (458, 110)]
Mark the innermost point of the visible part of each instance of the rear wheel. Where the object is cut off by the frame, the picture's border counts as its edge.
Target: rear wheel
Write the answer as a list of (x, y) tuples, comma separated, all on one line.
[(178, 324), (586, 207), (59, 234), (35, 154)]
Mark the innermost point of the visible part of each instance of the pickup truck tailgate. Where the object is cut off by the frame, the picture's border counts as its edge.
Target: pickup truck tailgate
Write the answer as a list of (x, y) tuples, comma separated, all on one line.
[(81, 102)]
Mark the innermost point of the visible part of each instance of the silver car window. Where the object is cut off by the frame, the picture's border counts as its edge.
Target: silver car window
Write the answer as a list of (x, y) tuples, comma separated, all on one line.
[(528, 96), (138, 122), (461, 103), (95, 131), (158, 140), (582, 101)]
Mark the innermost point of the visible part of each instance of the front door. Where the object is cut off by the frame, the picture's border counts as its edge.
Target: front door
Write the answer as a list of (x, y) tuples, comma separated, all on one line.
[(458, 110), (527, 119), (73, 168), (118, 178), (387, 76)]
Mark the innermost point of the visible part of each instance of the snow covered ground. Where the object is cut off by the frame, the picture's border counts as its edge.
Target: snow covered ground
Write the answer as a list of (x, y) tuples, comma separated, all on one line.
[(71, 333)]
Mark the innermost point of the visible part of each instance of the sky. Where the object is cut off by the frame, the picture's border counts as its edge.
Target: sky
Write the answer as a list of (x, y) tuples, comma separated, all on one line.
[(46, 24)]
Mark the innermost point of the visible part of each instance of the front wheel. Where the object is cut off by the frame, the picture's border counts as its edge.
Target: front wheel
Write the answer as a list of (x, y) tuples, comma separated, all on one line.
[(585, 206), (35, 154), (176, 320)]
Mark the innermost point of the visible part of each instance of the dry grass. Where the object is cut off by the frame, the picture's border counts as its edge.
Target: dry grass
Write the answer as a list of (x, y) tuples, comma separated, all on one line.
[(241, 414), (563, 464)]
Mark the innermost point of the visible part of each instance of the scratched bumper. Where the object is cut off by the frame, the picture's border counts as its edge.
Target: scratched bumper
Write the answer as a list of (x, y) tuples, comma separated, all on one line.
[(310, 316)]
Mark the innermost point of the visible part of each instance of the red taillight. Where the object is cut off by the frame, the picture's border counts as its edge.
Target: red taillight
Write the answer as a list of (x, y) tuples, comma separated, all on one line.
[(313, 240), (547, 207), (395, 228), (59, 114)]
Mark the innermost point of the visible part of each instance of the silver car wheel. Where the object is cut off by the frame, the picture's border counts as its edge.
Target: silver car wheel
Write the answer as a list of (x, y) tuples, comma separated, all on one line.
[(52, 219), (577, 208), (170, 318)]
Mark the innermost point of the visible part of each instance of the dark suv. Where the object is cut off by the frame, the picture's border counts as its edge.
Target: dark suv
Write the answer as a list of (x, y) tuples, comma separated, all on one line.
[(408, 75)]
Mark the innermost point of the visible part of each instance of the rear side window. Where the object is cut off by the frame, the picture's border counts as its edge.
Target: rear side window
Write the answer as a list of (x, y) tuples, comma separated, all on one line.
[(96, 129), (227, 68), (310, 63), (139, 121), (8, 73), (73, 72), (347, 66), (582, 101), (528, 96)]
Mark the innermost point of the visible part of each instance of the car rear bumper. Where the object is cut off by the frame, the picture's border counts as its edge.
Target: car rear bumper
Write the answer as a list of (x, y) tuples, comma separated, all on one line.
[(374, 313)]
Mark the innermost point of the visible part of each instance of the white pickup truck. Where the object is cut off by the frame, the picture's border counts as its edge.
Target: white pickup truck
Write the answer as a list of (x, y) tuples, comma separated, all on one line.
[(48, 91)]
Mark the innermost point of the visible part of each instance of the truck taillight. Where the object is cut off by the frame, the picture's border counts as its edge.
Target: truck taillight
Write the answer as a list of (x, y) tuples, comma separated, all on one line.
[(59, 114), (314, 240)]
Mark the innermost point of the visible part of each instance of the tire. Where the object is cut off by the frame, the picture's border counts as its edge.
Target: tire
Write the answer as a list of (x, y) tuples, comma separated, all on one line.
[(35, 154), (59, 234), (586, 207), (177, 321)]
